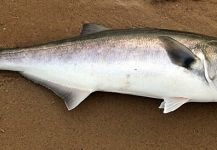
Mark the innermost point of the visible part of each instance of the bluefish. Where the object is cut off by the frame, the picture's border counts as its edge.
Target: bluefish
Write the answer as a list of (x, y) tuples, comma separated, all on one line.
[(178, 67)]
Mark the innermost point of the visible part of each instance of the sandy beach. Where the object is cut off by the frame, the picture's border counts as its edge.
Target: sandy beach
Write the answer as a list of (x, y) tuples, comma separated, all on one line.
[(32, 117)]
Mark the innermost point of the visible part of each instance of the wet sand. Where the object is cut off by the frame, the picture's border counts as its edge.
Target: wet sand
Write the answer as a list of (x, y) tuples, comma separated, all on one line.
[(32, 117)]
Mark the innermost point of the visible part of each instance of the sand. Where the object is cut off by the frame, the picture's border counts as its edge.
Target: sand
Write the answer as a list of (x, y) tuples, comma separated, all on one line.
[(32, 117)]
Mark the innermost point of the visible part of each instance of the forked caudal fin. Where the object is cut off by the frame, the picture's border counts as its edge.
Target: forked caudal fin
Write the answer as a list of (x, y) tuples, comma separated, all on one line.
[(71, 96)]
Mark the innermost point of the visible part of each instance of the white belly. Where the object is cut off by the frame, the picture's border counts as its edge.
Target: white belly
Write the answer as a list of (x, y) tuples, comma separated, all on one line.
[(152, 81)]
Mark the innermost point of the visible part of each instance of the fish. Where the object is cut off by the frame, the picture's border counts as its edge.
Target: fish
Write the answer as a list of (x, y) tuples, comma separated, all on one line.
[(175, 66)]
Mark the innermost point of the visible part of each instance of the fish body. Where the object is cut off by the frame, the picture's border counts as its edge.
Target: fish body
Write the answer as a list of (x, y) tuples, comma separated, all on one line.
[(178, 67)]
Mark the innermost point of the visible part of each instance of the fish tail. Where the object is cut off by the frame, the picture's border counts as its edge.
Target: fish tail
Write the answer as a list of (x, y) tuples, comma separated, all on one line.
[(8, 60)]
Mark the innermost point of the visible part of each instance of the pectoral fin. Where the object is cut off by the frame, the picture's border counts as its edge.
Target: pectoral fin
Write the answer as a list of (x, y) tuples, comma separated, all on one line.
[(178, 53), (173, 103), (71, 96)]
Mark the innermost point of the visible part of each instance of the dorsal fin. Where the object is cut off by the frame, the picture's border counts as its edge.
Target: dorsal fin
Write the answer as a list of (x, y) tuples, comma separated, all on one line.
[(90, 28), (178, 53)]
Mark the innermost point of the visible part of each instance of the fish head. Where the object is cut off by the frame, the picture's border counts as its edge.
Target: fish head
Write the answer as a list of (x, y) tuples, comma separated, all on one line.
[(209, 50)]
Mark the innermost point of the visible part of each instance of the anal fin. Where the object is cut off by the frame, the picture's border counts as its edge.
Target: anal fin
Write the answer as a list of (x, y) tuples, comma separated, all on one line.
[(72, 96)]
